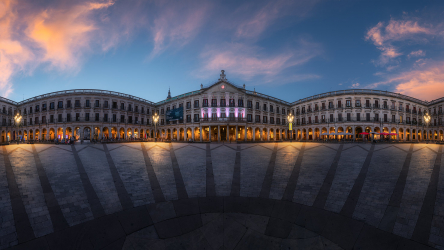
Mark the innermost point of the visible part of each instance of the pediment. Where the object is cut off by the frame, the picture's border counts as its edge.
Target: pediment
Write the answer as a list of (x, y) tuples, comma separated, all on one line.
[(222, 87)]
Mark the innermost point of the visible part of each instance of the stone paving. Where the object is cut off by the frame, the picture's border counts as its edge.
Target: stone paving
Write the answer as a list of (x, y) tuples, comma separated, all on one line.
[(222, 196)]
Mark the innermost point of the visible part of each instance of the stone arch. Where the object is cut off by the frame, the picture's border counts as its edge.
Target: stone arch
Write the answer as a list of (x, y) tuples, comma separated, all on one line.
[(278, 135), (122, 133), (105, 134), (310, 134), (129, 133), (401, 134), (181, 134), (264, 134), (87, 133), (249, 133), (257, 134), (25, 135), (68, 133), (358, 130)]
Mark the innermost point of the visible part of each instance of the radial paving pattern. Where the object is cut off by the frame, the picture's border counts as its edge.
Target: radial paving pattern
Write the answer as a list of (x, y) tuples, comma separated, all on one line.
[(167, 195)]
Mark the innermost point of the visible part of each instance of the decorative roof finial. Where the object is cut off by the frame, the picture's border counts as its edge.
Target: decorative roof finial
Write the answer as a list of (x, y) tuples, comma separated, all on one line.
[(169, 93), (222, 76)]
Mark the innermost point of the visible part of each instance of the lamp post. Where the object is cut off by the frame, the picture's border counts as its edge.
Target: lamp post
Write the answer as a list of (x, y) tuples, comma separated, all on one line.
[(290, 124), (155, 119), (427, 120), (17, 120)]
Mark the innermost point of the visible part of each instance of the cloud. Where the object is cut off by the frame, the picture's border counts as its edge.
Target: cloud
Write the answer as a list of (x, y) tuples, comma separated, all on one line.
[(384, 36), (426, 82), (355, 85), (64, 34), (248, 62), (177, 25), (417, 53)]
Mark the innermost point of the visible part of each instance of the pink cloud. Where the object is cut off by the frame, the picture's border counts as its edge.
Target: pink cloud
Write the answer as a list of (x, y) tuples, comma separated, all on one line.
[(177, 25), (426, 83), (383, 36), (247, 62), (417, 53)]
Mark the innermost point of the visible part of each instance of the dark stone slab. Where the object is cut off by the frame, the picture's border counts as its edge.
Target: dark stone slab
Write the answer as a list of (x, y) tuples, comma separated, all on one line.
[(233, 232), (373, 238), (134, 219), (186, 207), (211, 204), (235, 184), (105, 230), (180, 185), (122, 193), (190, 223), (236, 204), (421, 233), (74, 237), (342, 230), (261, 206), (36, 244), (388, 220), (116, 245), (214, 231), (292, 181), (192, 240), (210, 184), (322, 196), (161, 211), (313, 219), (266, 184), (154, 182), (286, 210), (169, 228), (21, 219), (278, 228), (255, 240), (350, 204)]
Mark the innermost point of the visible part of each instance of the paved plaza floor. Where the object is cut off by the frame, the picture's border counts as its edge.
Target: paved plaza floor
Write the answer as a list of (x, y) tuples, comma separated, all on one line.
[(222, 196)]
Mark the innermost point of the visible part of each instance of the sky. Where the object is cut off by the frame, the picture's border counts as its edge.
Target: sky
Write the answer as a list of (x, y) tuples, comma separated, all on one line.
[(286, 49)]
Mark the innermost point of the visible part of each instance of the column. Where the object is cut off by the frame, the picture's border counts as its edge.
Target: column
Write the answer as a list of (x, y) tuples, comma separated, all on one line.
[(209, 133), (254, 133), (260, 134), (228, 132), (354, 133), (218, 133), (200, 129), (274, 134), (236, 132), (245, 132), (192, 133)]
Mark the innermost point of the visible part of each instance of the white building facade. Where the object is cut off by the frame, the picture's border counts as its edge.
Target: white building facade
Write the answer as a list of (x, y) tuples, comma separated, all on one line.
[(221, 111)]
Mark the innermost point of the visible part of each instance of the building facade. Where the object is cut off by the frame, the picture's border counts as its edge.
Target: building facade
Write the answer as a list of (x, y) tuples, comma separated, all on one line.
[(221, 111)]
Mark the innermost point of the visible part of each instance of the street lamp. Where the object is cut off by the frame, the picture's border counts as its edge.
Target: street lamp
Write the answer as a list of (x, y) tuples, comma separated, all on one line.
[(290, 124), (427, 120), (17, 120), (155, 119)]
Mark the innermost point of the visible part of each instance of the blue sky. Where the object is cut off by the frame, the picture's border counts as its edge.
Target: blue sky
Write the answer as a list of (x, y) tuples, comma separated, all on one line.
[(287, 49)]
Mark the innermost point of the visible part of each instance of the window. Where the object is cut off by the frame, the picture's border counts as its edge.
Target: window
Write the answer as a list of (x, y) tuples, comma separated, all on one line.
[(188, 105), (249, 118), (278, 121), (77, 116), (196, 117), (258, 118), (358, 117), (114, 105), (257, 105), (223, 115), (68, 104), (303, 110), (331, 118), (51, 105), (376, 117), (122, 106), (68, 117), (36, 120), (37, 108), (105, 117), (271, 108), (97, 117), (367, 116), (136, 120), (114, 118), (51, 118), (385, 118), (97, 104), (44, 107), (277, 110), (340, 117), (60, 104), (196, 103), (264, 119), (367, 103), (168, 109), (122, 118), (265, 107), (323, 105), (86, 116), (30, 110), (162, 121), (283, 111), (330, 105), (249, 104), (358, 103), (240, 102), (309, 120), (316, 119), (87, 104), (130, 108), (162, 111), (222, 103), (60, 119), (348, 103), (393, 118), (43, 119), (232, 103), (271, 120), (348, 117), (105, 104), (137, 109), (339, 104), (188, 118), (283, 121), (205, 103)]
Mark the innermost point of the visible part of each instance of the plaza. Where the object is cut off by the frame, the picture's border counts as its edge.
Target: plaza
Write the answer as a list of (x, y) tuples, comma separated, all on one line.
[(276, 195)]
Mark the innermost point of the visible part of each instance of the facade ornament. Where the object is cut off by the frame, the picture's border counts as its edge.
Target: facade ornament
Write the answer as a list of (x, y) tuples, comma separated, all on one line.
[(244, 86), (169, 94), (222, 76)]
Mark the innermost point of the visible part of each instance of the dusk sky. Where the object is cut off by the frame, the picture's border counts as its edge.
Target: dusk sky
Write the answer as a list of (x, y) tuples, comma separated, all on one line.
[(286, 49)]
